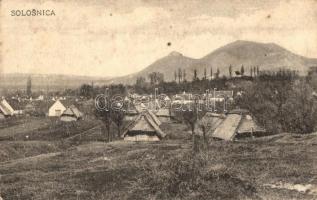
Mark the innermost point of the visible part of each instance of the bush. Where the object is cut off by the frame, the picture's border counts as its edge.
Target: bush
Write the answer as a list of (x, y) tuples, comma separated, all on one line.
[(300, 110), (281, 105)]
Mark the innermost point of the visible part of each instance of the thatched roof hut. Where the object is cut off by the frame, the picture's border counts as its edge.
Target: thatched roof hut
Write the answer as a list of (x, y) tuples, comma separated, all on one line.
[(210, 121), (5, 108), (71, 114), (238, 123), (164, 114), (227, 129), (154, 118), (144, 128)]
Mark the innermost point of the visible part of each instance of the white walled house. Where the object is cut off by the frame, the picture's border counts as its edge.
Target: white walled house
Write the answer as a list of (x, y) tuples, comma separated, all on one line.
[(57, 109)]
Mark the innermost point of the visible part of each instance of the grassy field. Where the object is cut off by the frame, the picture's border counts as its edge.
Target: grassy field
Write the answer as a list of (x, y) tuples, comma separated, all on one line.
[(47, 167)]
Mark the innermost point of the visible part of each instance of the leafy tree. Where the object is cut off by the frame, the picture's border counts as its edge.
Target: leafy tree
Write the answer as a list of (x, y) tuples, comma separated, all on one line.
[(281, 105), (156, 78), (86, 91), (140, 81), (300, 110)]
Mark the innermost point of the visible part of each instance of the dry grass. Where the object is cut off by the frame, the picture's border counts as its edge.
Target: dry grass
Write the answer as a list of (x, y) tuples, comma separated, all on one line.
[(20, 149)]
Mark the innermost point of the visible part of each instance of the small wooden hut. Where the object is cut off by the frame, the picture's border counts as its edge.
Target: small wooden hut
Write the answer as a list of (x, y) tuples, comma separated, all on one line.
[(71, 114), (238, 123), (145, 127)]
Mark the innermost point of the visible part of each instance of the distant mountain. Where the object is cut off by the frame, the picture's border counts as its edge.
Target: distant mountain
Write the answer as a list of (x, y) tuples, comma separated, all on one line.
[(166, 65), (51, 82), (268, 56)]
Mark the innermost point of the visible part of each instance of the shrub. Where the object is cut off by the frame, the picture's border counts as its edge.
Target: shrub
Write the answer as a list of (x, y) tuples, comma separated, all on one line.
[(300, 110), (281, 105)]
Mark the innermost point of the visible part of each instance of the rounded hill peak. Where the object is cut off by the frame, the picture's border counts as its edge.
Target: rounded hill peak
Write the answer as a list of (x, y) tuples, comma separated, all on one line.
[(175, 53)]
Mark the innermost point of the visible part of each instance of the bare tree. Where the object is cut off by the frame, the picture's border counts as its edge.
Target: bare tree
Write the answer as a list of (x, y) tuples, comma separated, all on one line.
[(117, 116), (103, 113), (204, 125), (190, 114)]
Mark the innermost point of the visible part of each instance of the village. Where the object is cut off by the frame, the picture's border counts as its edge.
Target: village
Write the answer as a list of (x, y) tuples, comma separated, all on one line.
[(108, 128), (158, 100), (142, 114)]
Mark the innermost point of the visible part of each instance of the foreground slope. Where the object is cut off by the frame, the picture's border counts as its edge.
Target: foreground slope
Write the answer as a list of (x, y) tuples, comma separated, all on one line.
[(275, 167)]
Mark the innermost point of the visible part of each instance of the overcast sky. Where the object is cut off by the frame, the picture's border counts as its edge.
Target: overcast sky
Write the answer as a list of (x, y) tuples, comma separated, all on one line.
[(115, 38)]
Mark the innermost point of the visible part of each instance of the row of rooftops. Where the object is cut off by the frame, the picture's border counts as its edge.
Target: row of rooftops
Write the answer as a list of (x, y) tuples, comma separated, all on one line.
[(221, 126), (14, 106), (236, 121)]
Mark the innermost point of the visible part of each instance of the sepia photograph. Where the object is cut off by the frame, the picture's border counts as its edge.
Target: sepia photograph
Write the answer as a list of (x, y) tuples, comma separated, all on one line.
[(158, 99)]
